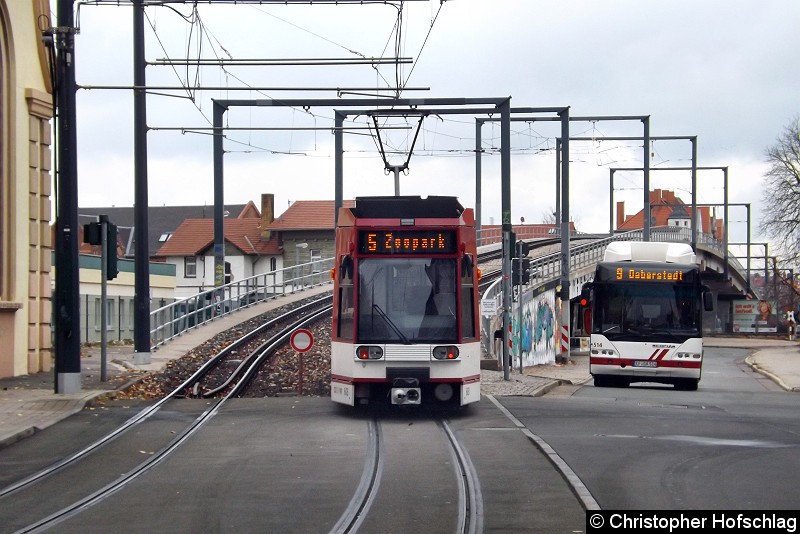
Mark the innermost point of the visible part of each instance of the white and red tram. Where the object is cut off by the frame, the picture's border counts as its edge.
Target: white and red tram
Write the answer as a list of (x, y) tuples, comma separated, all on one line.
[(405, 305)]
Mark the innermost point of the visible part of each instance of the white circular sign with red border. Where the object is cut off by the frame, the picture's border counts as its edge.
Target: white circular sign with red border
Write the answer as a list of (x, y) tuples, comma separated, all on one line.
[(301, 340)]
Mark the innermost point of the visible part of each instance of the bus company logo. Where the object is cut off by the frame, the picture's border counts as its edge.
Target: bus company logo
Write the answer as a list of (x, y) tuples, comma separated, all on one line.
[(660, 346)]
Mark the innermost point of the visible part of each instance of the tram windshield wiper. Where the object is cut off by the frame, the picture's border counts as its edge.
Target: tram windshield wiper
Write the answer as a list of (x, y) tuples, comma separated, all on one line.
[(391, 324)]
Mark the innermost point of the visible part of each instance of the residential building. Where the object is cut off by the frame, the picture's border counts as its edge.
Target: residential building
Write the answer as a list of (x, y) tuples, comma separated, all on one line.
[(254, 244), (162, 221), (666, 209)]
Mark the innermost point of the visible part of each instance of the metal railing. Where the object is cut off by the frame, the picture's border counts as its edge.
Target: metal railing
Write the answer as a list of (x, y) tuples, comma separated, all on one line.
[(547, 268), (184, 314)]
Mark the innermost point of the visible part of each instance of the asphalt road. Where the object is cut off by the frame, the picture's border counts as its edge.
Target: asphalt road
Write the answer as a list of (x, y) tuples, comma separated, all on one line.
[(733, 444), (294, 464)]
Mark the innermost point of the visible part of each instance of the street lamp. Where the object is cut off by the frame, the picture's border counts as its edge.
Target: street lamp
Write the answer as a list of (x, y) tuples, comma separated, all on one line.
[(297, 272)]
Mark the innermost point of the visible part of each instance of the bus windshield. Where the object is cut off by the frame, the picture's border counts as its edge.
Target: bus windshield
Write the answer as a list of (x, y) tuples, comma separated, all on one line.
[(661, 312), (407, 300)]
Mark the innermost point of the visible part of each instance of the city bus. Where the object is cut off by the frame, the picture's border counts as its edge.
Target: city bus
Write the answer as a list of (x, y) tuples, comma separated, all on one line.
[(645, 313)]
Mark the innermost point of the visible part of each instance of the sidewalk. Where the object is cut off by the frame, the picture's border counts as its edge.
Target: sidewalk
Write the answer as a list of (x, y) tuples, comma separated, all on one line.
[(28, 403)]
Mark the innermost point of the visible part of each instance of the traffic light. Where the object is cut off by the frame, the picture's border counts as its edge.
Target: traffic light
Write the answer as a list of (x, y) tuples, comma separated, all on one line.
[(520, 271), (112, 270), (526, 270), (91, 233)]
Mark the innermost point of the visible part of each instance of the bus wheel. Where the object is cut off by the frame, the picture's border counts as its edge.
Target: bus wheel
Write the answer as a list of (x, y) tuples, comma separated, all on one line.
[(687, 384), (603, 381)]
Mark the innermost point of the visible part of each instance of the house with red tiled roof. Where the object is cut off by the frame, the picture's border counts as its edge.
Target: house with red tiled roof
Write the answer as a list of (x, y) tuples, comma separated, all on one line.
[(666, 209), (255, 243), (250, 249)]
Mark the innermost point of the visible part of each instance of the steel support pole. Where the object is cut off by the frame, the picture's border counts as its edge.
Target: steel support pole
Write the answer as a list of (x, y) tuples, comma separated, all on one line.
[(646, 166), (478, 178), (505, 210), (67, 290), (748, 248), (103, 295), (141, 322), (219, 200), (558, 183), (611, 202), (565, 238), (338, 170), (727, 225), (694, 193)]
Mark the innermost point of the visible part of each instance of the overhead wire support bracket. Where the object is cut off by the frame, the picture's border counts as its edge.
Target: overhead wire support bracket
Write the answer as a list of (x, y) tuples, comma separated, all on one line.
[(280, 62), (338, 90)]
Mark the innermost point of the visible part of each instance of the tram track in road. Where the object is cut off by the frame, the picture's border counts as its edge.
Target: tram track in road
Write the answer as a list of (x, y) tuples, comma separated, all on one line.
[(469, 508), (260, 350)]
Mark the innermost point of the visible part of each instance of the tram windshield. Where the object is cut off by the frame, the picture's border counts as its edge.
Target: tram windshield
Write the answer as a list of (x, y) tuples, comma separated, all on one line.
[(661, 312), (407, 300)]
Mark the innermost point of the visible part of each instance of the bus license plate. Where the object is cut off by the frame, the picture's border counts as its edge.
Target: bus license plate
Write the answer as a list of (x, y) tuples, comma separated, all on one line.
[(645, 363)]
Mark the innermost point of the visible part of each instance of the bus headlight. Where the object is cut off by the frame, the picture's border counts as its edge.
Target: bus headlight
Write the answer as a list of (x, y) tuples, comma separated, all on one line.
[(369, 352), (449, 352)]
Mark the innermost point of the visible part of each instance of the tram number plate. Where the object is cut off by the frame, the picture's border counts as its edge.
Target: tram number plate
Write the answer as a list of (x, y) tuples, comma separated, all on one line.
[(645, 363)]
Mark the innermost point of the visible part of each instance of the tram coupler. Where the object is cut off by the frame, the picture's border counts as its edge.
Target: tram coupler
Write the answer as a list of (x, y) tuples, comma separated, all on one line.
[(406, 391)]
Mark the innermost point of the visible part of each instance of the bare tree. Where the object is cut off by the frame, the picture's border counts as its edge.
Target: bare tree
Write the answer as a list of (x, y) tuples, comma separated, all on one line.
[(781, 195)]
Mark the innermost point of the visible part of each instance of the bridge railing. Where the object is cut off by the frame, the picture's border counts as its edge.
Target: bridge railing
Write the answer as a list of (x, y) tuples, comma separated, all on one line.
[(184, 314), (209, 304), (547, 268)]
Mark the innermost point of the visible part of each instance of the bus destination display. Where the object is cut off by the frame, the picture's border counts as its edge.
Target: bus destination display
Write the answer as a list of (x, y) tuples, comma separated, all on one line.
[(407, 242), (656, 274)]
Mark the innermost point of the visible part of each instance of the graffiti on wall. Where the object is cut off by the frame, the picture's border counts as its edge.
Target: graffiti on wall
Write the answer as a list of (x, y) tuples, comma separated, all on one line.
[(535, 329)]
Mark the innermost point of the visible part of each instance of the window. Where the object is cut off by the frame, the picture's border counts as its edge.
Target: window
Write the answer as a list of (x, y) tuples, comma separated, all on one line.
[(110, 319), (273, 264), (407, 300), (467, 298), (164, 237), (346, 302), (190, 267)]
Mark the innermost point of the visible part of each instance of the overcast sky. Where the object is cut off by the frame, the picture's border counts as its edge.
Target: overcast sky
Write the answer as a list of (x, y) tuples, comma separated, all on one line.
[(723, 70)]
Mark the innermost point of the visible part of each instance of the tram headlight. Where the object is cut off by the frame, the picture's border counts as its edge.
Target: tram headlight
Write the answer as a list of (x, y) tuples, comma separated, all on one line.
[(369, 352), (448, 352)]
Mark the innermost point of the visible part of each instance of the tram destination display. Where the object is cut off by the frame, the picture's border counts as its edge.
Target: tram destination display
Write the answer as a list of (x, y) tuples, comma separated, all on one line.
[(406, 242)]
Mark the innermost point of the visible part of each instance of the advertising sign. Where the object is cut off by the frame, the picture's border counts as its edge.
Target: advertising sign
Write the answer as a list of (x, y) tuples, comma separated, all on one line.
[(754, 316)]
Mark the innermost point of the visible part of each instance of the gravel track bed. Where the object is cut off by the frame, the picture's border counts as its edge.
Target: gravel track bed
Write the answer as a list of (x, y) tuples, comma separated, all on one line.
[(279, 376)]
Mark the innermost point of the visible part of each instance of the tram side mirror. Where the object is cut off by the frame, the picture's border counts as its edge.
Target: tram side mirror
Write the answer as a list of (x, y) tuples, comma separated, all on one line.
[(708, 300), (346, 267), (466, 266)]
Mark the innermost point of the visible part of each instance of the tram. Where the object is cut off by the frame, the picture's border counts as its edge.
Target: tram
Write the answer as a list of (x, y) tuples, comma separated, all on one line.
[(405, 306), (645, 315)]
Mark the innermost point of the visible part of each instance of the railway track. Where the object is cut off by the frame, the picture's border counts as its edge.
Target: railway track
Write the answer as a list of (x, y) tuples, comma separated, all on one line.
[(223, 373), (212, 379), (468, 517)]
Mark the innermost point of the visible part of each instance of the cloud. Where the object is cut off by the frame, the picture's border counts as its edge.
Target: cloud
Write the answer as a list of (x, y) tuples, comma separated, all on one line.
[(721, 70)]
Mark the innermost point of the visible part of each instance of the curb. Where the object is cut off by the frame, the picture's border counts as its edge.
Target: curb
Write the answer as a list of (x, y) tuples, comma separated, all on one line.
[(775, 378)]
